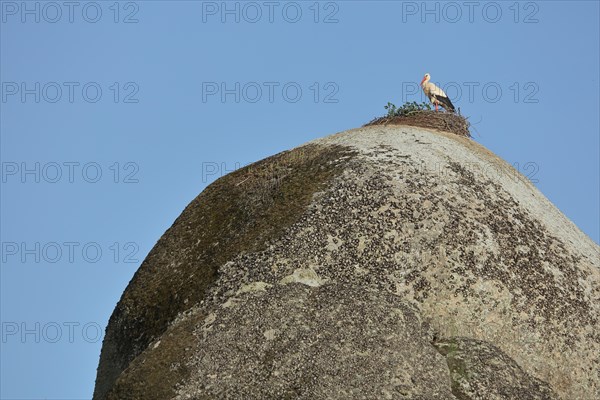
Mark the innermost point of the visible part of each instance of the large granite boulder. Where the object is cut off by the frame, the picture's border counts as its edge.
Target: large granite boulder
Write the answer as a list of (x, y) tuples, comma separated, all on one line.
[(381, 262)]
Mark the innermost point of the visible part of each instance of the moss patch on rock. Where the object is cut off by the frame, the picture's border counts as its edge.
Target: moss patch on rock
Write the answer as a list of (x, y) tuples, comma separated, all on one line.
[(240, 212), (156, 372)]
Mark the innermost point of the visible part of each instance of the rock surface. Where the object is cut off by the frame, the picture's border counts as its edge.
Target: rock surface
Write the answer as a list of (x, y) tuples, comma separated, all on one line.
[(381, 262)]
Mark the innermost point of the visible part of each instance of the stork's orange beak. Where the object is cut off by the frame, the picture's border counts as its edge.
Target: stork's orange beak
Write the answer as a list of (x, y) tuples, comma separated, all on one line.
[(423, 80)]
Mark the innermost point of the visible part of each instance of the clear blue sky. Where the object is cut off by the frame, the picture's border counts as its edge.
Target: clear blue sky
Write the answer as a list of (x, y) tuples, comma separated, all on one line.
[(160, 130)]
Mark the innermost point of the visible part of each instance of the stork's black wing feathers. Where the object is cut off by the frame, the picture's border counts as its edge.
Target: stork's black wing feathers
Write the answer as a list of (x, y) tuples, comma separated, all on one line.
[(445, 102)]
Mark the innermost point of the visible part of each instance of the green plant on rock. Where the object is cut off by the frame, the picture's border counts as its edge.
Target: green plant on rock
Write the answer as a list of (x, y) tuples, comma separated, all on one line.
[(408, 108)]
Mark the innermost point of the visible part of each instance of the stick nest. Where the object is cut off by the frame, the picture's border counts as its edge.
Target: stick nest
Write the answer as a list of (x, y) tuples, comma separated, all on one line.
[(444, 121)]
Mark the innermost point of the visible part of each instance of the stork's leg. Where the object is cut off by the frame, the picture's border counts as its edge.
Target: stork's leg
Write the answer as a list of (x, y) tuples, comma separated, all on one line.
[(436, 106)]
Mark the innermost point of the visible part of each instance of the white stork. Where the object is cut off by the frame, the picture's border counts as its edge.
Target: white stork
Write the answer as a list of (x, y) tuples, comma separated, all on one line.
[(436, 95)]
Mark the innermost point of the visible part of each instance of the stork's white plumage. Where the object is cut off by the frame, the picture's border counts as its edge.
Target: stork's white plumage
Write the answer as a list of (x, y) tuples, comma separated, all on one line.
[(436, 95)]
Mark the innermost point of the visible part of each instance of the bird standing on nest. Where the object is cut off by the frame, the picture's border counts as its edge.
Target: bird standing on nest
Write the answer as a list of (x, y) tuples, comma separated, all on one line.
[(436, 95)]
